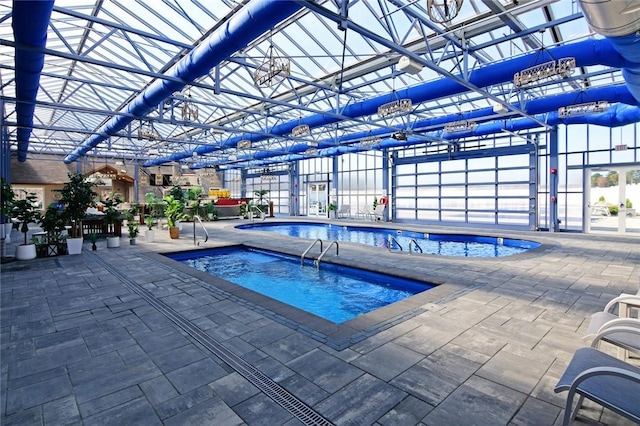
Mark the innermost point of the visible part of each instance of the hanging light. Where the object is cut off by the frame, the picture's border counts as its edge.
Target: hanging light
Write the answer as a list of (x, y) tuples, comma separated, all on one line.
[(272, 71), (189, 110), (564, 67), (301, 130), (147, 131), (461, 126), (395, 107), (583, 109), (244, 144), (441, 11)]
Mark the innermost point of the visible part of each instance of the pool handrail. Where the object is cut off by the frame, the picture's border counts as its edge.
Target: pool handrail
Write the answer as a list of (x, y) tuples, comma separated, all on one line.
[(317, 261), (390, 239), (413, 241), (309, 249), (206, 233)]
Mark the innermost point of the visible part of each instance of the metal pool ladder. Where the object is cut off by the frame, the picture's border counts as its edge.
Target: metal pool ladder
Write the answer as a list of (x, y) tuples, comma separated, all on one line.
[(413, 241), (317, 261), (391, 239), (206, 233), (309, 249)]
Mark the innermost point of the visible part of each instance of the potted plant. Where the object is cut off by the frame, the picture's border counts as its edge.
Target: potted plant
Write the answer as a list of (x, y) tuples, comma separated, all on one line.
[(155, 206), (53, 223), (93, 238), (5, 211), (333, 207), (173, 213), (192, 201), (132, 224), (211, 210), (26, 212), (112, 219), (262, 204), (76, 196)]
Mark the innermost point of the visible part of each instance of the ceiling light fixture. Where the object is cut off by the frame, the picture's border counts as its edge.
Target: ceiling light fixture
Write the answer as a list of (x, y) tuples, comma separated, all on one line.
[(301, 130), (461, 126), (370, 141), (189, 110), (147, 131), (564, 67), (392, 108), (441, 11), (583, 109), (272, 71), (244, 144)]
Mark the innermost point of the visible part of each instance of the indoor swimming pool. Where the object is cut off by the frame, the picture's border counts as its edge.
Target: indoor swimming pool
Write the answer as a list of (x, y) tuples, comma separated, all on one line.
[(402, 240), (333, 292)]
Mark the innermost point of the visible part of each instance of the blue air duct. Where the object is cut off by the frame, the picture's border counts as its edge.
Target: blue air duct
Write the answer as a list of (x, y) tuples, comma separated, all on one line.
[(615, 116), (243, 27), (29, 20), (619, 21), (611, 94), (586, 53)]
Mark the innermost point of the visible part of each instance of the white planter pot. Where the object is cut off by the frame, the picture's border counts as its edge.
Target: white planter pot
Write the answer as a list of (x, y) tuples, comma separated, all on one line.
[(74, 245), (149, 235), (26, 252), (113, 242), (7, 227)]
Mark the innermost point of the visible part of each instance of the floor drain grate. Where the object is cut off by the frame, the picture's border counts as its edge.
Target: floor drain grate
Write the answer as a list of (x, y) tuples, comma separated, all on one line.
[(277, 393)]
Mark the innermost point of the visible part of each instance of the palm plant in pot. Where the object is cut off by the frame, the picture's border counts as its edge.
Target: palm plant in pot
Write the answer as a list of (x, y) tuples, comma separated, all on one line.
[(26, 212), (112, 218), (155, 207), (173, 212), (132, 224), (77, 195)]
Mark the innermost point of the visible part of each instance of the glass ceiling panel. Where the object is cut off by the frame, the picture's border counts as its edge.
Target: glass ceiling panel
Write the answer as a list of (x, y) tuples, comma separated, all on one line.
[(363, 68)]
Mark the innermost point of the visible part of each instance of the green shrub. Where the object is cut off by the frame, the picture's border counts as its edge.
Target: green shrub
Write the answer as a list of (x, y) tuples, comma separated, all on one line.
[(613, 209)]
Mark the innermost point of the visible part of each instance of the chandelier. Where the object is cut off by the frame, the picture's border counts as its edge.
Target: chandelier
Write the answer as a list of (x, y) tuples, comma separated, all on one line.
[(147, 131), (441, 11), (461, 126), (301, 130), (272, 71), (395, 107), (583, 109), (564, 67), (189, 110)]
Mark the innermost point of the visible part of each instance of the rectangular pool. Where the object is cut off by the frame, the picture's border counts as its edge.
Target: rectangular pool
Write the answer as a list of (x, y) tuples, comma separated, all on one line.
[(334, 292)]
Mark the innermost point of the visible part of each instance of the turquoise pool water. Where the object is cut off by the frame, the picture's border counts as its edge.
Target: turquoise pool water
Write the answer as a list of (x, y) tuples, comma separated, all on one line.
[(336, 293), (442, 244)]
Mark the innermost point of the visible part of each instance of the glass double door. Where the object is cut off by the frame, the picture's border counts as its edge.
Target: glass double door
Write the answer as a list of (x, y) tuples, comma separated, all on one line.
[(613, 200), (317, 196)]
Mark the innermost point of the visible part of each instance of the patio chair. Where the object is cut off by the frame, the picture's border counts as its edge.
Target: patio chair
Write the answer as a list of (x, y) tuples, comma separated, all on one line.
[(378, 212), (605, 380), (344, 211), (626, 304), (602, 322)]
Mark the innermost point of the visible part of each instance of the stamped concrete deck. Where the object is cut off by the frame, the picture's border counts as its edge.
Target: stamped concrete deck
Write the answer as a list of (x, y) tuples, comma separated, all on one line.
[(126, 336)]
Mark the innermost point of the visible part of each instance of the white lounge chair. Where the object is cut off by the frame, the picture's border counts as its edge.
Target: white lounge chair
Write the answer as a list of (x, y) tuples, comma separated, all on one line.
[(344, 211), (626, 304), (603, 379), (603, 325), (378, 212)]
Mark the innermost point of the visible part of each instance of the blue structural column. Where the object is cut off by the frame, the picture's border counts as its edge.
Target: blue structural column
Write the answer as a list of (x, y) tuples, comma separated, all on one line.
[(136, 180), (385, 185), (294, 190), (5, 147), (553, 180), (533, 188), (335, 187)]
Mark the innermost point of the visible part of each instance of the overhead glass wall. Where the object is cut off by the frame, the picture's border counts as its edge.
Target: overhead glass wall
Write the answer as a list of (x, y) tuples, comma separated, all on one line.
[(360, 181), (484, 190)]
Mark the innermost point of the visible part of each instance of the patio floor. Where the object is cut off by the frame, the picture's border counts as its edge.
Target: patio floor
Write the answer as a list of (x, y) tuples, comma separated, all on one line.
[(127, 336)]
